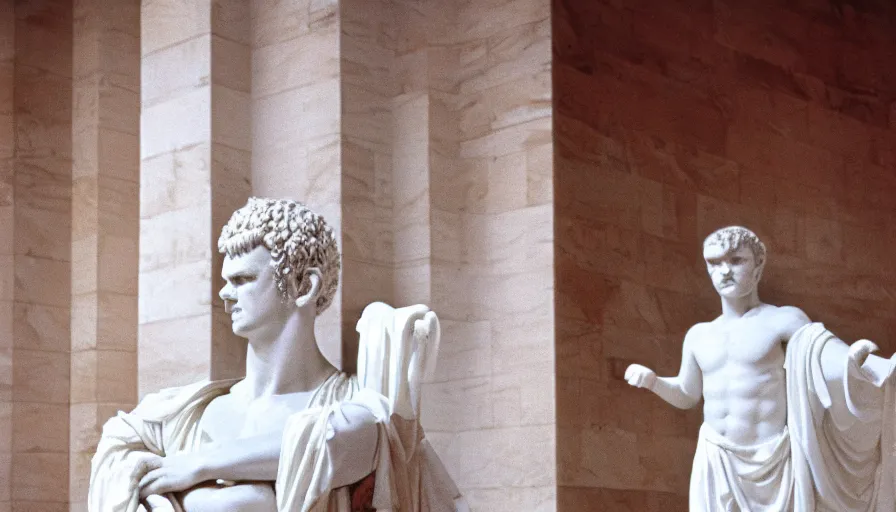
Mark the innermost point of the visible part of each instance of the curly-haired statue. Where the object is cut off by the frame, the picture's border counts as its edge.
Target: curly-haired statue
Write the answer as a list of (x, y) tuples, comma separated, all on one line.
[(793, 418), (295, 434), (297, 239)]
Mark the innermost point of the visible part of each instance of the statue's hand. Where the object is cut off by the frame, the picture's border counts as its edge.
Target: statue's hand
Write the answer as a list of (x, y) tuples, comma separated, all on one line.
[(640, 376), (172, 474), (858, 354)]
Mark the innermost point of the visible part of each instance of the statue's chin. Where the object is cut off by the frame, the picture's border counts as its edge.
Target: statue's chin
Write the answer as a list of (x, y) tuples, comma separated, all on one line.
[(734, 292), (240, 331)]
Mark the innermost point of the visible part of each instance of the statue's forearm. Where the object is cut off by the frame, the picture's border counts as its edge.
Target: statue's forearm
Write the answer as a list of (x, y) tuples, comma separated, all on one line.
[(670, 390), (351, 449), (239, 498), (856, 392), (248, 459)]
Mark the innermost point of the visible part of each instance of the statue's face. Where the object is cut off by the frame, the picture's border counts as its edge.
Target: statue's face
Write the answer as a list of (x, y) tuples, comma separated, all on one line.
[(733, 273), (252, 294)]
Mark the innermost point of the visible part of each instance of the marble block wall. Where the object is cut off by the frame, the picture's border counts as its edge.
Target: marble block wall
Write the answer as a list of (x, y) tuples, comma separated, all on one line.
[(7, 244), (195, 152), (296, 119), (105, 225), (401, 121), (40, 217), (673, 119), (368, 88), (475, 78)]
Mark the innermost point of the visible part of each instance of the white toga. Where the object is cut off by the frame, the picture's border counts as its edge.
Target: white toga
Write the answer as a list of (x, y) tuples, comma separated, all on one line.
[(408, 474)]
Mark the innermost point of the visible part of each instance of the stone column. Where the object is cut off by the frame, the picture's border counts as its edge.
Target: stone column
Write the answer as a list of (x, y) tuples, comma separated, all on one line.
[(368, 87), (490, 408), (194, 172), (105, 225), (42, 262), (296, 120)]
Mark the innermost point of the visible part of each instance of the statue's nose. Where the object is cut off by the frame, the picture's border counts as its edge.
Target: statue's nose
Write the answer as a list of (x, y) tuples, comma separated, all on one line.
[(226, 293)]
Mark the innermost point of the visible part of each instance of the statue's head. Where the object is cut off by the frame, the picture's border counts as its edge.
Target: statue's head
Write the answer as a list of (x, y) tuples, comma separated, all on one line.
[(277, 253), (735, 258)]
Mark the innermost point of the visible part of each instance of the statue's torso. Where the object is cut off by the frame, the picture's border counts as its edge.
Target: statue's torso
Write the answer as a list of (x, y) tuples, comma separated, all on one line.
[(232, 416), (742, 362)]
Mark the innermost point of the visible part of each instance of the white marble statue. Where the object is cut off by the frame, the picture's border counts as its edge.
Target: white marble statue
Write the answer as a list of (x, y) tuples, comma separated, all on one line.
[(295, 434), (794, 419)]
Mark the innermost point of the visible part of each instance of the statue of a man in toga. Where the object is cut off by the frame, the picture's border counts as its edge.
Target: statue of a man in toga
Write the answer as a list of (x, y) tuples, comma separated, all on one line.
[(295, 434), (794, 419)]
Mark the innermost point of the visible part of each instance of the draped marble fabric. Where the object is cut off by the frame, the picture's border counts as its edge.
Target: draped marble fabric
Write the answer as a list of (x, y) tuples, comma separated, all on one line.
[(409, 475)]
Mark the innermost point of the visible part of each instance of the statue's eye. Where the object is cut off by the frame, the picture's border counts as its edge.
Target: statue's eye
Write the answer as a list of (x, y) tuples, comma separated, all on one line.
[(241, 279)]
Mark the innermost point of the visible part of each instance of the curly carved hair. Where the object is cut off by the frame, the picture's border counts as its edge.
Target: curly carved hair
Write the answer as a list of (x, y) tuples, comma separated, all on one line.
[(732, 238), (297, 237)]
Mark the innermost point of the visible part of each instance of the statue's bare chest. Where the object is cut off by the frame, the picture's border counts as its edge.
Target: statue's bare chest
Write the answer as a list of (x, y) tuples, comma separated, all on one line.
[(227, 417), (741, 343)]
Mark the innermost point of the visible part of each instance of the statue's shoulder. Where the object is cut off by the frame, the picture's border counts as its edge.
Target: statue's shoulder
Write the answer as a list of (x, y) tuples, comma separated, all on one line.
[(792, 312), (168, 402), (789, 318), (699, 332)]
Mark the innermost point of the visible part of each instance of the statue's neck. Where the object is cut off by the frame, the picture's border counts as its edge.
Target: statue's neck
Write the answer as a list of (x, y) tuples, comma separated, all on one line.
[(737, 307), (286, 361)]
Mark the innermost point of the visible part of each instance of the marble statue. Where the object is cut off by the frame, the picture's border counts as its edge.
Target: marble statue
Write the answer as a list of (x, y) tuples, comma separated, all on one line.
[(793, 418), (295, 434)]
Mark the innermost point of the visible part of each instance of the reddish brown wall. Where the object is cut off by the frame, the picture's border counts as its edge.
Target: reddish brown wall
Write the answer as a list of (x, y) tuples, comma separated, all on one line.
[(676, 117)]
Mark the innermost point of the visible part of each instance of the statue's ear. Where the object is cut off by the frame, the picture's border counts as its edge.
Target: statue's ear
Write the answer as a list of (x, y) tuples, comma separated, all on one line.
[(314, 276)]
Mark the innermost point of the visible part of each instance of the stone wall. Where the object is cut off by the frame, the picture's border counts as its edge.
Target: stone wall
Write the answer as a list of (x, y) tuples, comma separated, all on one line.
[(35, 252), (492, 278), (295, 118), (673, 119), (105, 225), (195, 152), (7, 242)]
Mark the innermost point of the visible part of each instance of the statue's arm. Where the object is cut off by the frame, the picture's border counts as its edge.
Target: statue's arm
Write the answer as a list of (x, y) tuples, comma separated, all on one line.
[(253, 458), (351, 444), (683, 391), (854, 378), (250, 497)]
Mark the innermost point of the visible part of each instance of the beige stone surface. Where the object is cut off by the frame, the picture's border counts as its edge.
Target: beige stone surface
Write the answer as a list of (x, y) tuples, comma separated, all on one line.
[(40, 427), (176, 69), (207, 156), (32, 471), (179, 177), (181, 122), (40, 327), (38, 368), (105, 230), (165, 23), (173, 352)]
